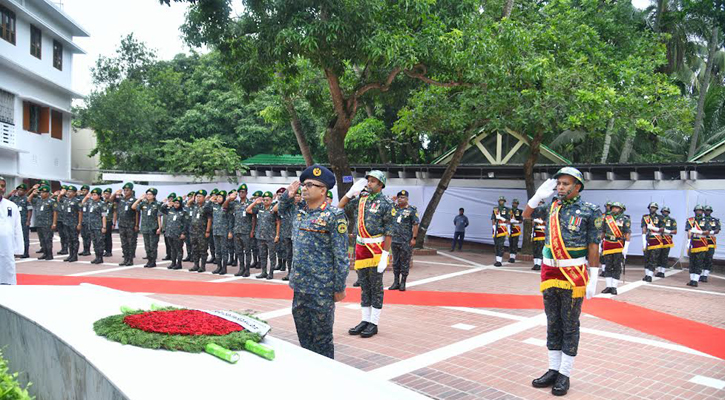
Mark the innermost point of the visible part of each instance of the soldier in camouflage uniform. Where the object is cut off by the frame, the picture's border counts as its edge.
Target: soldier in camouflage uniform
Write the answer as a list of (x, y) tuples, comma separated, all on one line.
[(375, 229), (222, 230), (266, 231), (62, 232), (200, 215), (329, 198), (187, 241), (95, 217), (18, 196), (241, 229), (46, 218), (573, 233), (515, 230), (85, 233), (69, 208), (110, 209), (670, 229), (500, 218), (255, 245), (405, 226), (287, 212), (711, 242), (127, 219), (652, 227), (698, 228), (230, 243), (538, 236), (616, 233), (212, 245), (167, 245), (150, 224), (176, 228), (320, 259)]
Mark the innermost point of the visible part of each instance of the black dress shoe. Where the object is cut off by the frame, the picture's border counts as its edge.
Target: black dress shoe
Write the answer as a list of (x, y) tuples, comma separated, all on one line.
[(512, 260), (369, 331), (613, 291), (358, 328), (107, 254), (26, 255), (660, 275), (356, 284), (607, 290), (497, 264), (561, 386), (703, 279), (546, 380), (536, 268)]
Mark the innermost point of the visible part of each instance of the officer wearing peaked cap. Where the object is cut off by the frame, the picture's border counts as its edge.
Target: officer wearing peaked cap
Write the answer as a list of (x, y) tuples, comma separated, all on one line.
[(406, 222)]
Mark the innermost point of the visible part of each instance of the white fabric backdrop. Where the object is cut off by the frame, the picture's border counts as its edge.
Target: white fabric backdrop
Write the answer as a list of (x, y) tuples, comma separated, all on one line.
[(479, 202)]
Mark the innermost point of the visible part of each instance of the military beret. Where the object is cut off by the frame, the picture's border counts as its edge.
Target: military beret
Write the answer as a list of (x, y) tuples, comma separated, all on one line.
[(22, 186), (85, 187), (153, 191), (215, 191), (128, 185), (243, 187), (403, 193), (44, 188), (172, 195), (232, 191), (96, 191), (192, 193), (65, 187), (222, 193), (44, 182), (201, 192), (71, 188), (268, 194), (319, 173), (281, 190), (179, 199), (258, 193), (299, 191), (329, 194), (107, 190)]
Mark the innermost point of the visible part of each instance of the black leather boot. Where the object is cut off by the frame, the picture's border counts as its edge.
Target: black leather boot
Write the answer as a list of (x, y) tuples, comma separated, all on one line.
[(202, 267), (546, 380), (283, 265), (218, 267), (178, 263), (166, 258), (195, 267), (396, 282), (369, 331), (172, 265), (607, 290), (358, 328), (263, 274), (613, 291), (224, 268), (270, 274), (497, 264), (152, 263), (561, 386), (402, 283)]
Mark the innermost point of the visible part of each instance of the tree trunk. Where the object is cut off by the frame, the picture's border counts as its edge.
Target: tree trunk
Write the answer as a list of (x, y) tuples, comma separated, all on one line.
[(534, 150), (607, 141), (442, 186), (658, 15), (507, 9), (294, 120), (335, 144), (627, 149), (703, 92)]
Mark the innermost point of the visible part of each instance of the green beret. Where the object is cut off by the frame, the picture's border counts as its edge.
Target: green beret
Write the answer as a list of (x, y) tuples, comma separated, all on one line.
[(201, 192), (329, 193), (71, 188), (191, 193), (21, 186), (172, 195), (44, 183), (215, 191), (153, 191), (243, 186), (179, 199), (222, 193), (299, 191), (85, 187), (232, 191), (96, 191), (258, 193), (268, 194), (107, 190), (64, 187), (128, 185), (44, 188)]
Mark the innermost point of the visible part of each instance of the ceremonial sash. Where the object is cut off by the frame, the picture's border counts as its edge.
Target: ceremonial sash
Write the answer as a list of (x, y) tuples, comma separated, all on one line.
[(501, 229), (539, 233), (367, 251), (574, 278), (700, 244), (654, 242), (712, 242), (515, 230), (612, 246), (667, 242)]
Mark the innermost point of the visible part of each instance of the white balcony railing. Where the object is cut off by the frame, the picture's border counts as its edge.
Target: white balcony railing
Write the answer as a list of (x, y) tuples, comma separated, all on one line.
[(7, 134)]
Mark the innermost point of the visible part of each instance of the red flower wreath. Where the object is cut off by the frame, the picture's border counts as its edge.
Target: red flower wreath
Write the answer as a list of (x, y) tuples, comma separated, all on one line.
[(181, 322)]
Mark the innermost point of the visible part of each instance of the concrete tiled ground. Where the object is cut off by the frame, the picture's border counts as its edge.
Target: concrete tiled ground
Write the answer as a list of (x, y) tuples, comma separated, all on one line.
[(501, 362)]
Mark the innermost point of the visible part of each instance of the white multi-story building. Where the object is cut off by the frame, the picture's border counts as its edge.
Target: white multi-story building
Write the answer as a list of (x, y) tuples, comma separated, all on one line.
[(36, 58)]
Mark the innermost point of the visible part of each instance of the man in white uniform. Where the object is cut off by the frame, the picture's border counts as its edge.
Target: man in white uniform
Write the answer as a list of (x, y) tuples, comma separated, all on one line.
[(11, 237)]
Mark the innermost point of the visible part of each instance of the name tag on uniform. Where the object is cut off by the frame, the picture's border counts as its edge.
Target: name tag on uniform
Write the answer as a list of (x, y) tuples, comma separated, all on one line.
[(126, 208), (84, 209), (20, 208), (244, 213), (174, 217), (400, 219), (148, 213), (42, 208), (69, 209), (197, 215)]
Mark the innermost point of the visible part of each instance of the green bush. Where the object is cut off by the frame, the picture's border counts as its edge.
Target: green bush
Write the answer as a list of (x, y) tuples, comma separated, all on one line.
[(9, 387)]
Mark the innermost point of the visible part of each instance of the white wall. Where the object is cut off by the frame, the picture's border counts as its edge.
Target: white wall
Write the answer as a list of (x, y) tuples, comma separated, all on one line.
[(84, 140)]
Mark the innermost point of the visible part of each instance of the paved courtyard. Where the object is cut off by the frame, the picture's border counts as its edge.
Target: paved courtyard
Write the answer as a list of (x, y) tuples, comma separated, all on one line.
[(465, 329)]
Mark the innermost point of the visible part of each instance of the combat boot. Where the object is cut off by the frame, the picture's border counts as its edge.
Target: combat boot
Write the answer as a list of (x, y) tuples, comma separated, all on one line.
[(218, 267), (166, 258), (232, 261), (178, 263), (195, 267), (152, 263), (173, 264), (263, 274), (270, 274), (396, 282), (202, 267), (223, 271), (402, 283), (283, 265)]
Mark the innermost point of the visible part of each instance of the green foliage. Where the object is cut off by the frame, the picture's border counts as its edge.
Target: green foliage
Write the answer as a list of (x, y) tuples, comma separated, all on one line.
[(10, 389), (362, 140), (113, 328), (205, 157)]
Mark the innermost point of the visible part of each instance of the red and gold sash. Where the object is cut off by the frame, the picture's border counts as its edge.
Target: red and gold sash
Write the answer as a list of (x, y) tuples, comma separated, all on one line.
[(539, 232), (616, 246), (515, 230), (367, 255), (712, 242), (574, 278), (697, 244), (501, 229), (654, 242), (667, 242)]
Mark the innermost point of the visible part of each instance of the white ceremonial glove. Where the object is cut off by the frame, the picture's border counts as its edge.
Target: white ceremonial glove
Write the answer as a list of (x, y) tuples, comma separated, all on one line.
[(592, 285), (696, 231), (667, 231), (539, 221), (712, 232), (644, 242), (544, 191), (500, 218), (383, 262), (626, 249), (356, 188), (513, 221)]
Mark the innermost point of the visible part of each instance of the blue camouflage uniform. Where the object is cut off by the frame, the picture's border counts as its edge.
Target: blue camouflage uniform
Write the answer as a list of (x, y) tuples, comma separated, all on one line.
[(404, 219)]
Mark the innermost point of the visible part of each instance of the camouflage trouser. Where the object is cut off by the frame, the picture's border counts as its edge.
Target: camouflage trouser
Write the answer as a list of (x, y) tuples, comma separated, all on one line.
[(188, 245), (60, 227), (212, 246), (708, 260), (562, 317), (613, 264), (175, 248), (314, 317), (266, 250), (45, 235), (107, 237), (199, 245), (401, 258), (151, 245), (698, 261), (652, 258), (538, 248), (26, 237), (97, 238), (167, 246), (371, 287), (87, 238), (664, 257), (243, 248), (284, 253), (221, 244), (255, 248), (499, 244), (128, 241), (514, 244), (71, 235)]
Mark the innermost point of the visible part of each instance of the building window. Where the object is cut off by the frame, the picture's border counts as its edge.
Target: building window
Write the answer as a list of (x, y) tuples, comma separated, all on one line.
[(57, 55), (35, 40), (56, 125), (7, 24), (35, 118), (7, 107)]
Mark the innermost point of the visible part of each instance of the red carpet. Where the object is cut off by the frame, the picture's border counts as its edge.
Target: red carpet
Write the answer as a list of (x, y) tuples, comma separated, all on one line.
[(692, 334)]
